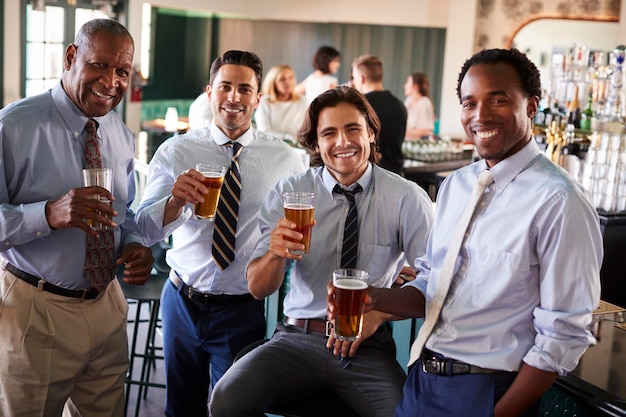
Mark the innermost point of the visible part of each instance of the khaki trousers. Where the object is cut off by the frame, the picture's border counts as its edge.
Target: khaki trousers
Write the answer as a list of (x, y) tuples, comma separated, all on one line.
[(53, 348)]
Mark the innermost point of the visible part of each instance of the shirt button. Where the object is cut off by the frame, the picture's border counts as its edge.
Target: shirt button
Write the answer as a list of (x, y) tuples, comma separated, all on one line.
[(6, 243), (482, 204), (463, 268), (38, 233), (439, 331)]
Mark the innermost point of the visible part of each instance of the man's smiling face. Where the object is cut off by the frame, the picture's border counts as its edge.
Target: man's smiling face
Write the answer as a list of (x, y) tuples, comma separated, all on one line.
[(344, 142), (234, 96)]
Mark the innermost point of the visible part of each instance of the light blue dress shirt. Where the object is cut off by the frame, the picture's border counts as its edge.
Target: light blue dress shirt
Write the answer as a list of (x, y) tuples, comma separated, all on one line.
[(262, 162), (394, 215), (42, 147), (528, 276)]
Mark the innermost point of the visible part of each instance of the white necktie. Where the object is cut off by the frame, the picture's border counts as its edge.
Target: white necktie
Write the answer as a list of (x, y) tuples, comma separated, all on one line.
[(447, 270)]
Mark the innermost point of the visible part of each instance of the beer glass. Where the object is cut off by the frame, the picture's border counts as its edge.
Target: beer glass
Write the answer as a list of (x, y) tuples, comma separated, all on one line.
[(300, 210), (102, 177), (213, 179), (350, 291)]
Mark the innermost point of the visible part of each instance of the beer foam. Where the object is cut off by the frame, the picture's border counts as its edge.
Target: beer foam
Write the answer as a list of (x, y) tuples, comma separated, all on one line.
[(296, 206), (350, 284)]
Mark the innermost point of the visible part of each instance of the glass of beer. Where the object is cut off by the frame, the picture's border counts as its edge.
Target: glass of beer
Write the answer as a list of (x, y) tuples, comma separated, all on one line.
[(299, 209), (102, 177), (213, 179), (350, 291)]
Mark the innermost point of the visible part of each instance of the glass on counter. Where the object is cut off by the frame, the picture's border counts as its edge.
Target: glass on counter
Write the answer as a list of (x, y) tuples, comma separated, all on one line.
[(431, 149)]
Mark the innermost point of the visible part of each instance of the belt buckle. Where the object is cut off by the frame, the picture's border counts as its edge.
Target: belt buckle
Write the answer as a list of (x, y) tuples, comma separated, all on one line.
[(433, 365), (88, 291), (329, 327)]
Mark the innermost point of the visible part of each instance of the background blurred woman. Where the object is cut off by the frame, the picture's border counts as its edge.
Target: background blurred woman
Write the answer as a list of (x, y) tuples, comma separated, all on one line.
[(326, 62), (281, 111), (420, 113)]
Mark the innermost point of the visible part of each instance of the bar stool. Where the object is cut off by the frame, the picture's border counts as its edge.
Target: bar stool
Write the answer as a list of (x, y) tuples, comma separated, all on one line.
[(148, 295)]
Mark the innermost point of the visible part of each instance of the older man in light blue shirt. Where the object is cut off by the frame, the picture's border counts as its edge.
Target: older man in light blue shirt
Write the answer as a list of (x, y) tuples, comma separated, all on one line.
[(63, 333)]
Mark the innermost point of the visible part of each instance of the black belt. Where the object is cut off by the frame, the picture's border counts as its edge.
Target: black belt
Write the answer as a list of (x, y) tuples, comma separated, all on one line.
[(435, 364), (206, 298), (85, 294)]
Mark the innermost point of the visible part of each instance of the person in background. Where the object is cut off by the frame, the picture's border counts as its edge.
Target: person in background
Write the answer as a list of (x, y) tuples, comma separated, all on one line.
[(208, 312), (200, 114), (281, 111), (326, 63), (367, 77), (63, 314), (527, 278), (394, 217), (419, 107)]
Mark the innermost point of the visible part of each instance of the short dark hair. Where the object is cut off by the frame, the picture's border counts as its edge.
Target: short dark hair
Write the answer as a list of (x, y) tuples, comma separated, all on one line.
[(247, 59), (527, 71), (323, 57), (307, 134), (90, 28), (371, 67)]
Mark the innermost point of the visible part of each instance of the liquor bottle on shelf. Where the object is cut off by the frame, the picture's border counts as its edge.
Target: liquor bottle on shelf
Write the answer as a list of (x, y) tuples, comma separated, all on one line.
[(573, 110), (614, 123), (597, 120), (553, 115), (546, 113), (615, 99), (587, 114)]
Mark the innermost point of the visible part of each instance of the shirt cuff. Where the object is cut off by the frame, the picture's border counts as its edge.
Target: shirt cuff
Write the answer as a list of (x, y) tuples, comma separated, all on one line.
[(35, 219)]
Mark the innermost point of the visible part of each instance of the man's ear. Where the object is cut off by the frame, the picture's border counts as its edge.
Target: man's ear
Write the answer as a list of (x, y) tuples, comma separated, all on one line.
[(532, 107), (70, 56)]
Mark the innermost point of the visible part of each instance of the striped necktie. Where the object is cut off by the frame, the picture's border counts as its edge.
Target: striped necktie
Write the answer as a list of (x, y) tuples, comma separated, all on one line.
[(100, 252), (447, 268), (349, 249), (225, 226)]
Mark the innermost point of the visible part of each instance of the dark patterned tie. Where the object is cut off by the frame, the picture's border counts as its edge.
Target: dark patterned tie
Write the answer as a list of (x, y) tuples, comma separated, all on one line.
[(349, 249), (100, 253), (225, 226)]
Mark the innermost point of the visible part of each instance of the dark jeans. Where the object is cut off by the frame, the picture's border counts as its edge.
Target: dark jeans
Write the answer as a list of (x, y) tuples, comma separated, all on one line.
[(200, 342), (471, 395)]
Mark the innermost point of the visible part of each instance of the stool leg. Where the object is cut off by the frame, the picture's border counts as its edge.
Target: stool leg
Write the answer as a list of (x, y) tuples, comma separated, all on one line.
[(154, 321), (143, 387), (133, 346)]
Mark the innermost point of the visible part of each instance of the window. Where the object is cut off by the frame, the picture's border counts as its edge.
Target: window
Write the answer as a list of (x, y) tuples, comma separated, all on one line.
[(49, 29)]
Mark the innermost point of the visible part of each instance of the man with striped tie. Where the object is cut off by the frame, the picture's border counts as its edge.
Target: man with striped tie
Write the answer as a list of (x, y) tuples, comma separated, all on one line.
[(208, 312), (365, 217)]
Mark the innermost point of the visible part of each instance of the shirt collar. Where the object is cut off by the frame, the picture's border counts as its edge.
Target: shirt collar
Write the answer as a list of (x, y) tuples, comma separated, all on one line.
[(506, 170), (329, 181), (221, 139), (71, 114)]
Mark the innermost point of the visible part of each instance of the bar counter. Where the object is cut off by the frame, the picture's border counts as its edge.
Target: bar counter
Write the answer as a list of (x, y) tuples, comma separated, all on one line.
[(598, 383), (430, 174)]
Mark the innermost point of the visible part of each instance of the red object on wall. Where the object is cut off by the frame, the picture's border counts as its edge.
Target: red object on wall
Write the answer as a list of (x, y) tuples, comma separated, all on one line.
[(136, 93)]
